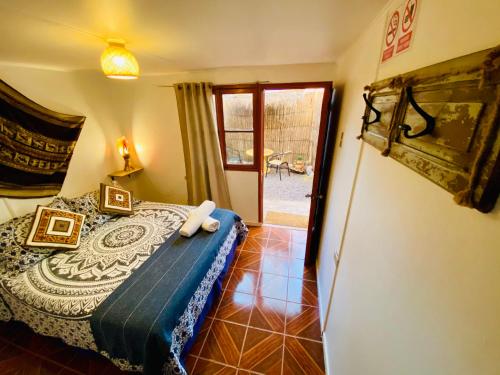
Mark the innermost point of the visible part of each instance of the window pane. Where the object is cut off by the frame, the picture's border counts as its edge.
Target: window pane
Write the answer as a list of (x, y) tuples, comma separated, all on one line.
[(238, 111), (239, 148)]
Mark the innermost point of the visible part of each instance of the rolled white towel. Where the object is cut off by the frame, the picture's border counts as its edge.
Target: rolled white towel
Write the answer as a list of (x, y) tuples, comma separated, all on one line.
[(210, 224), (196, 218)]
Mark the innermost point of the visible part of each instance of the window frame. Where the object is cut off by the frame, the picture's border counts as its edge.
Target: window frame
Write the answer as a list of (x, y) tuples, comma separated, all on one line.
[(218, 91)]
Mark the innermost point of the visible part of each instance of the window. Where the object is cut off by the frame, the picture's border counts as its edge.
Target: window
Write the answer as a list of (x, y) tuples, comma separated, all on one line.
[(236, 110)]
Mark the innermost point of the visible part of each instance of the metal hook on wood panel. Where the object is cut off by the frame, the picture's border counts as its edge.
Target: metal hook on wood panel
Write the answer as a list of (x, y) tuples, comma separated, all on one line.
[(378, 114), (429, 120)]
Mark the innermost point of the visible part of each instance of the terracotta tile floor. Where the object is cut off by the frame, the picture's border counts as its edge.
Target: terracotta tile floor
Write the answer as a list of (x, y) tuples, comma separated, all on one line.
[(24, 352), (266, 321)]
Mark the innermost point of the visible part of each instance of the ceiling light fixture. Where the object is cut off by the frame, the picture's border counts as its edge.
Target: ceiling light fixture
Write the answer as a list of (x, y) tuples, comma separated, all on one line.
[(117, 62)]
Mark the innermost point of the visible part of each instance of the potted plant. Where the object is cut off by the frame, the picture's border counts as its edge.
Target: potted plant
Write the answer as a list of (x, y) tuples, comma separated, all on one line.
[(299, 164)]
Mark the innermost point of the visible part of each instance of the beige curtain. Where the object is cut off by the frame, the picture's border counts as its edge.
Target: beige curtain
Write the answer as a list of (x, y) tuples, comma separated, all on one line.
[(204, 169)]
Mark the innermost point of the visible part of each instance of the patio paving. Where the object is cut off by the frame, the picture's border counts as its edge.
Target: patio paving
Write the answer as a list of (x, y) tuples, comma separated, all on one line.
[(288, 195)]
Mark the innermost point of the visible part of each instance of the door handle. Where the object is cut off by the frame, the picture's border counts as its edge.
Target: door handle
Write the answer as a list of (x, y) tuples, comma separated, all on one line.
[(314, 196)]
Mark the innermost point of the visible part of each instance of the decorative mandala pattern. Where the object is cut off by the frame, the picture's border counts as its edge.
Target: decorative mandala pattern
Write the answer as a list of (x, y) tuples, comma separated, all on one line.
[(5, 314), (123, 364), (88, 205), (15, 256), (123, 236), (56, 296), (73, 283), (73, 332), (185, 329)]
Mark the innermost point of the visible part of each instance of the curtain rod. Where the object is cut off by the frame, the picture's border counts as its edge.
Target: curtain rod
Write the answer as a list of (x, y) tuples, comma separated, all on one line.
[(224, 84)]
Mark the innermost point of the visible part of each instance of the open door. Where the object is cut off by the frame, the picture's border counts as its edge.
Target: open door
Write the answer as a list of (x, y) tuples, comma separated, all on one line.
[(326, 145), (321, 156), (293, 114), (241, 117)]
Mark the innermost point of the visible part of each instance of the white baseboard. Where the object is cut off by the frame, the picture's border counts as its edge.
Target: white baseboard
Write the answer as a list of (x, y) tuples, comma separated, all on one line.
[(322, 322), (325, 355), (320, 300)]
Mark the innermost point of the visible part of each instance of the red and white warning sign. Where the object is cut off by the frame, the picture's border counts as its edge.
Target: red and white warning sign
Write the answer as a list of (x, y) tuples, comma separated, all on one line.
[(400, 29), (390, 35)]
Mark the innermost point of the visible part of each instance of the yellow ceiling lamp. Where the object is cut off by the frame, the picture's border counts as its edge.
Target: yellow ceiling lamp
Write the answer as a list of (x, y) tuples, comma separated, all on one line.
[(117, 62)]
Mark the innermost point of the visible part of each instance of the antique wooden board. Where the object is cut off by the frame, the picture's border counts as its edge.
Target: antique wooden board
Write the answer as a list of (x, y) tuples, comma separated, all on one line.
[(442, 121)]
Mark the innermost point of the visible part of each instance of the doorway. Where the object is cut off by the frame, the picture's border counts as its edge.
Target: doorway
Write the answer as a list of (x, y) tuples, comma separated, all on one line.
[(284, 130), (292, 120)]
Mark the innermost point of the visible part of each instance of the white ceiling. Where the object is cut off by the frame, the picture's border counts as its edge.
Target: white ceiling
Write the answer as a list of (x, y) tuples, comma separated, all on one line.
[(179, 35)]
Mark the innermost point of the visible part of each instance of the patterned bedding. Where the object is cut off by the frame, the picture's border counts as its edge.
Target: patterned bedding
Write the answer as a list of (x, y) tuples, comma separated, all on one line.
[(58, 295), (15, 257)]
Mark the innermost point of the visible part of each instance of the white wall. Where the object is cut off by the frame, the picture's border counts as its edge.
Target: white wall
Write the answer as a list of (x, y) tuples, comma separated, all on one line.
[(61, 91), (155, 127), (418, 283), (146, 114), (352, 74)]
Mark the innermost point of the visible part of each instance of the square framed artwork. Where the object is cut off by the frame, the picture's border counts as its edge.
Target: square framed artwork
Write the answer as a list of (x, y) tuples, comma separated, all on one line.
[(115, 200), (52, 227)]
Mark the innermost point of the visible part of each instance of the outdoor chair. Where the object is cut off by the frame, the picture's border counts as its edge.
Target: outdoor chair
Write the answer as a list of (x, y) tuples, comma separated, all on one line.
[(277, 161), (233, 156)]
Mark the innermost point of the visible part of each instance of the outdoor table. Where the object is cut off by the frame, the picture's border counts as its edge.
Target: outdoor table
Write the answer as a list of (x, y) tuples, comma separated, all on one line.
[(267, 152)]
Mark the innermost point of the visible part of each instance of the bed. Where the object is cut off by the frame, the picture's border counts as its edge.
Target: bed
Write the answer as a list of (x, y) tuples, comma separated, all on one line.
[(134, 291)]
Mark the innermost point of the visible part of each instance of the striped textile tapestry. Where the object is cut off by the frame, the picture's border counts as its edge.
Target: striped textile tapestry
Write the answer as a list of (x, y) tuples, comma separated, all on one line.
[(36, 146)]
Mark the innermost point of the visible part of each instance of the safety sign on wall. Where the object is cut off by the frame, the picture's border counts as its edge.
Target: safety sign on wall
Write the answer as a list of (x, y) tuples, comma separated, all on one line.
[(400, 29)]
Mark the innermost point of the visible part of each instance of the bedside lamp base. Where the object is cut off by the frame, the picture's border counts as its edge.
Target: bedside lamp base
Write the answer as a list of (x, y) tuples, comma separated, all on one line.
[(127, 166)]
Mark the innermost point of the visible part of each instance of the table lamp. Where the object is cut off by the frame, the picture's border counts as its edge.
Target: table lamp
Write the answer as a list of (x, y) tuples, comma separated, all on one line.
[(123, 149)]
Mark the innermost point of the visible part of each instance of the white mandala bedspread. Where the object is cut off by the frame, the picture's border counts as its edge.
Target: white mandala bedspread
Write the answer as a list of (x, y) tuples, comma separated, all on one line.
[(58, 295), (72, 284)]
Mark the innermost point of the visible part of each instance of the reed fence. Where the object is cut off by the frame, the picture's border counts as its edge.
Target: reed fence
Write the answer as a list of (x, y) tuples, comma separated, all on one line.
[(291, 124)]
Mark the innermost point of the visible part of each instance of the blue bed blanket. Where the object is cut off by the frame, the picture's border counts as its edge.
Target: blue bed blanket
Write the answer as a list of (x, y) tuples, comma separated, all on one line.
[(149, 318)]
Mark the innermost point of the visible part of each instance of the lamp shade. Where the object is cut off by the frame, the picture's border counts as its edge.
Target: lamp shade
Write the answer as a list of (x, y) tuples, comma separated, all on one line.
[(118, 62)]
